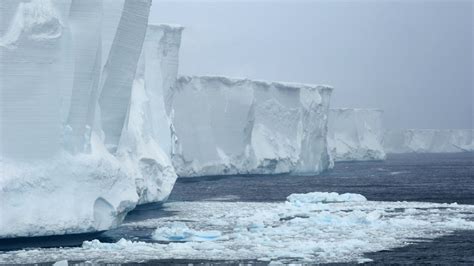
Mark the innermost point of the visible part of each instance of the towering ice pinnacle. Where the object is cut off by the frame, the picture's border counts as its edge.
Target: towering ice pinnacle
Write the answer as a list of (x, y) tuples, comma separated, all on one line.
[(119, 71), (429, 140), (239, 126), (68, 86), (355, 134), (148, 131)]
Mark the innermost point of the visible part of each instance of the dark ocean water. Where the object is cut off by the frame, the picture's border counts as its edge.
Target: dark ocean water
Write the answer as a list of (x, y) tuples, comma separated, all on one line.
[(410, 177), (406, 177)]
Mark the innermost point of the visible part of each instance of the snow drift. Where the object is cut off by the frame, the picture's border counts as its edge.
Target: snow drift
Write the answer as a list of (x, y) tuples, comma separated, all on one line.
[(355, 134), (239, 126), (429, 140), (76, 150)]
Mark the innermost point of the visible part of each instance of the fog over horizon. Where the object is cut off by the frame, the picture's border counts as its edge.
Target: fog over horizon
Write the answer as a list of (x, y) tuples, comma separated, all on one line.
[(413, 59)]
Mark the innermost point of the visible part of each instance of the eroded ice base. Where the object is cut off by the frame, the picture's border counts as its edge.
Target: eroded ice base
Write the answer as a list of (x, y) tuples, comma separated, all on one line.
[(302, 229)]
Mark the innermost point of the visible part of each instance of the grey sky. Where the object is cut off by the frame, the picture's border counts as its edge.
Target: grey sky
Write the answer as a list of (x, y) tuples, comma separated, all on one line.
[(414, 59)]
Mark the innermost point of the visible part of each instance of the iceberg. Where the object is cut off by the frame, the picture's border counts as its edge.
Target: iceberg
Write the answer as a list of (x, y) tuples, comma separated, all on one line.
[(355, 134), (76, 152), (240, 126), (429, 140)]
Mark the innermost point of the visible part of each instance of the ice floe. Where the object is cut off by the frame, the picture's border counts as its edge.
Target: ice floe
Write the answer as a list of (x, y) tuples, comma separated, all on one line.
[(313, 227)]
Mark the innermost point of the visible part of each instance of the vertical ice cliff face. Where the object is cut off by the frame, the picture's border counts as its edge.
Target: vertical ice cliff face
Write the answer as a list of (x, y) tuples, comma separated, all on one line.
[(429, 140), (314, 120), (355, 134), (59, 100), (148, 130), (119, 71), (34, 47), (239, 126), (85, 20), (159, 63)]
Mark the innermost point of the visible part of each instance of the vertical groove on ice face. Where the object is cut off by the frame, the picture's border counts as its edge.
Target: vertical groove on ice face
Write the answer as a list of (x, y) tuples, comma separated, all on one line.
[(85, 21), (119, 71)]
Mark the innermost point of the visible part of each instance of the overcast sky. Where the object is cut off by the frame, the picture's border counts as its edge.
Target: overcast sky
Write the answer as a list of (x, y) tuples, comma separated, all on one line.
[(414, 59)]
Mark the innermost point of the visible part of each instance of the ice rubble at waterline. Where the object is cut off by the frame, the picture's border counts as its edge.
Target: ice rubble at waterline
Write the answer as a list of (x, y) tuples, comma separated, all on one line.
[(316, 227)]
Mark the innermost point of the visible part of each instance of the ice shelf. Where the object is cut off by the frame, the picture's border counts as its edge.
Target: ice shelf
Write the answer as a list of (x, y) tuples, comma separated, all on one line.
[(429, 140), (241, 126)]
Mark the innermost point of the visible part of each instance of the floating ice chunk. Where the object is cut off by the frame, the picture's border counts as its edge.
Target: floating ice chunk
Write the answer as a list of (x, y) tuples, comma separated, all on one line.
[(325, 197), (61, 263), (178, 231)]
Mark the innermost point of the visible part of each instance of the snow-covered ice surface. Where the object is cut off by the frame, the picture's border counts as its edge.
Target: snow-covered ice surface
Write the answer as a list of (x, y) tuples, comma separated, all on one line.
[(355, 134), (313, 227), (429, 140), (239, 126), (75, 150)]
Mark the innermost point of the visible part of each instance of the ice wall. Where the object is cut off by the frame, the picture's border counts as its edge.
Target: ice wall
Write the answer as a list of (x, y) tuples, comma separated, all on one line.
[(74, 155), (148, 132), (34, 49), (429, 140), (240, 126), (119, 71), (85, 20), (355, 134)]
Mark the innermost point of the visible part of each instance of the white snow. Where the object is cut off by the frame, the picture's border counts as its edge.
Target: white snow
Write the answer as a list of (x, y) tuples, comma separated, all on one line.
[(239, 126), (281, 232), (76, 149), (355, 134), (429, 140)]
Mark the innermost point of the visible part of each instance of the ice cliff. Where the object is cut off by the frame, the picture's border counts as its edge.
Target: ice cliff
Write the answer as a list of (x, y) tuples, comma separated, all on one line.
[(355, 134), (148, 134), (429, 140), (79, 146), (239, 126)]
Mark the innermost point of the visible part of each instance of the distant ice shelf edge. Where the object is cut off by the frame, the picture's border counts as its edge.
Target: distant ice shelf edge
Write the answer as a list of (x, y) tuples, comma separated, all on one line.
[(355, 134)]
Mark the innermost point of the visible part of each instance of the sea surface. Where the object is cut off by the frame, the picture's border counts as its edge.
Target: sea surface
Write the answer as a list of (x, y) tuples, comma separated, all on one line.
[(439, 178)]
